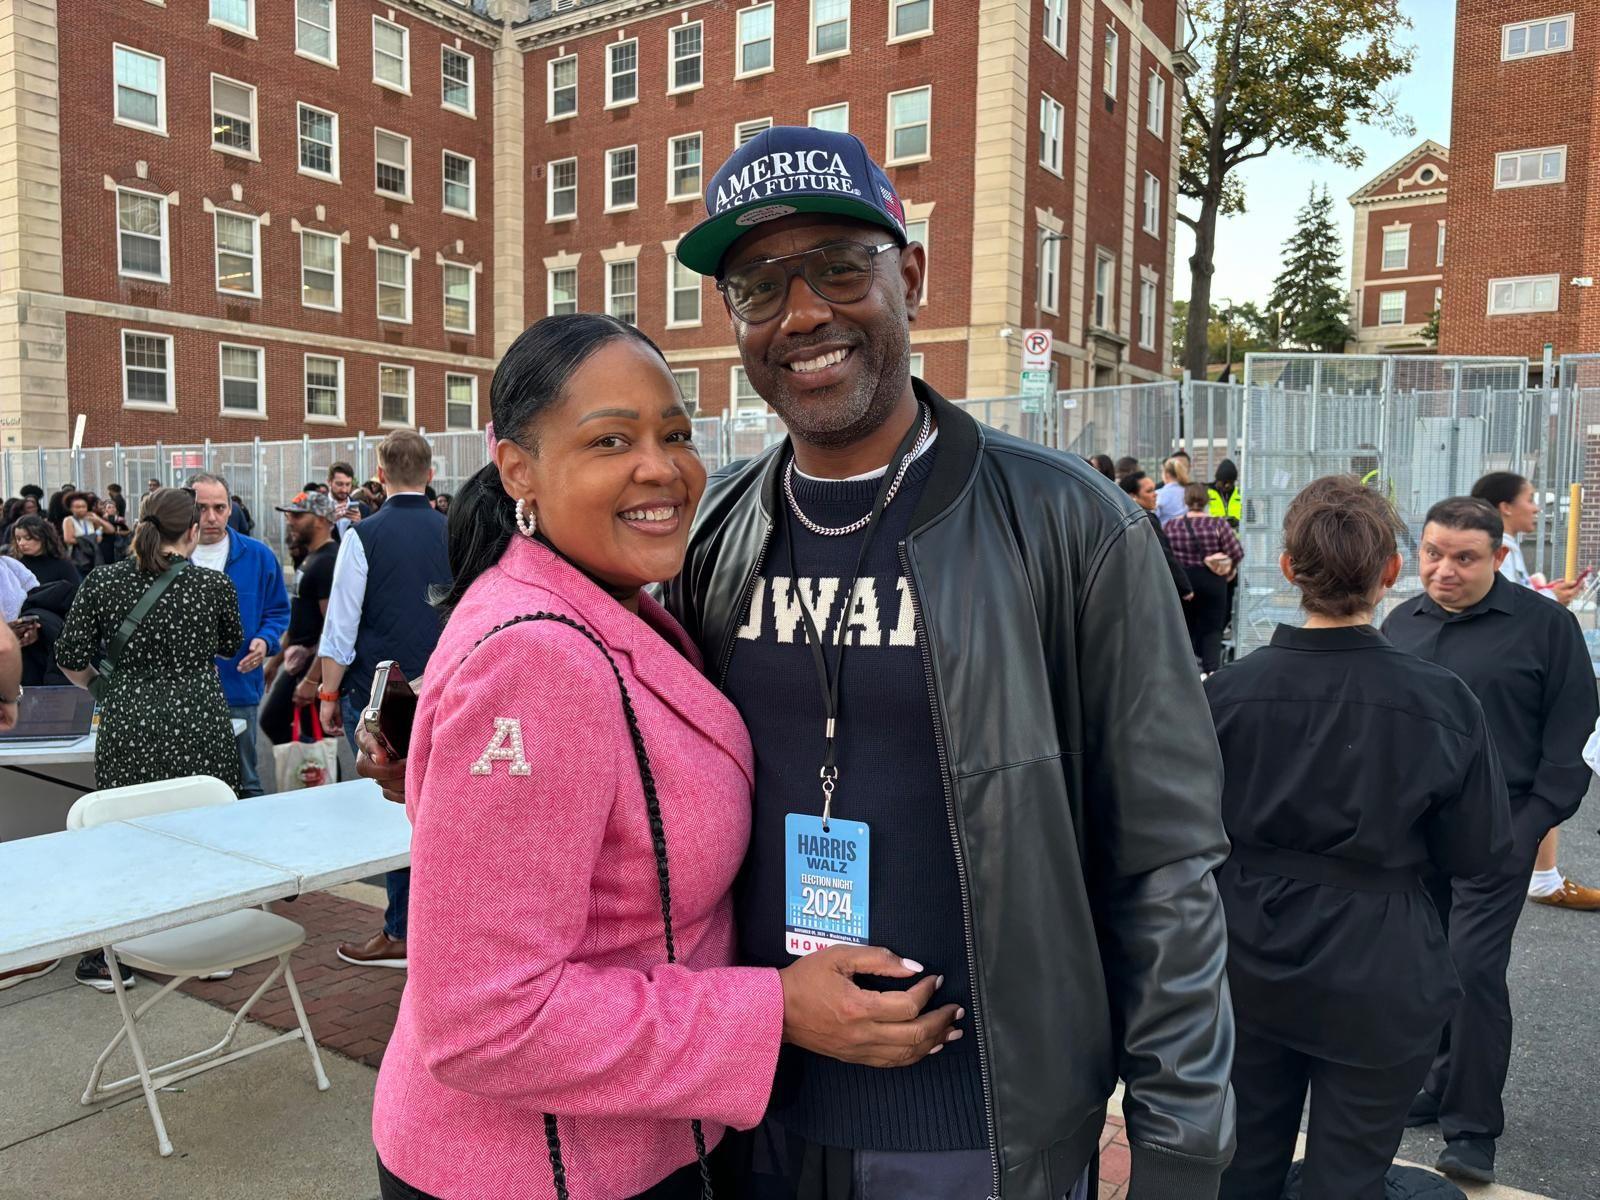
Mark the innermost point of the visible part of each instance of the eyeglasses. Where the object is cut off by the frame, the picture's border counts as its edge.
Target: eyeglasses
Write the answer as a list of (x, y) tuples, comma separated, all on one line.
[(840, 273)]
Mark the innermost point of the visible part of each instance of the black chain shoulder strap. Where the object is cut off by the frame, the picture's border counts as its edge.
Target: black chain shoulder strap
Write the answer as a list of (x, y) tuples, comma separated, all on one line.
[(658, 841)]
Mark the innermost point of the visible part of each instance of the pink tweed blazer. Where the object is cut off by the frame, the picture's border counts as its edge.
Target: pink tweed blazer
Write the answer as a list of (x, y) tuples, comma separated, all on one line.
[(538, 979)]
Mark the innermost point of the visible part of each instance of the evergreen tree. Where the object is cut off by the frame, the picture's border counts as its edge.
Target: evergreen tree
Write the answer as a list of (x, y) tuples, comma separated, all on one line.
[(1307, 290)]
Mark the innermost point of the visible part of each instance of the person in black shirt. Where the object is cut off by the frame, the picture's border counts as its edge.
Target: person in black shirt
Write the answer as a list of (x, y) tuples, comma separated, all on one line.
[(36, 544), (310, 519), (1524, 657), (1141, 489)]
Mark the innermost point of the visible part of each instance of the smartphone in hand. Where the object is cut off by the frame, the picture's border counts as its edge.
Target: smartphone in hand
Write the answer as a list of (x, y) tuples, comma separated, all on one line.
[(390, 710)]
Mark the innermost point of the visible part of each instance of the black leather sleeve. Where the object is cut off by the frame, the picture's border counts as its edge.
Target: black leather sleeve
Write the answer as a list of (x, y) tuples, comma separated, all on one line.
[(1155, 834)]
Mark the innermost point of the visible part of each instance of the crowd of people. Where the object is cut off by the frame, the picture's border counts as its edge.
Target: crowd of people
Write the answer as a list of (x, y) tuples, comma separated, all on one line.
[(803, 833)]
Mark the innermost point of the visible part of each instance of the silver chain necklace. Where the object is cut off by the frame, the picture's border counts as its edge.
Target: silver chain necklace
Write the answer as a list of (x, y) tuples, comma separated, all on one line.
[(823, 530)]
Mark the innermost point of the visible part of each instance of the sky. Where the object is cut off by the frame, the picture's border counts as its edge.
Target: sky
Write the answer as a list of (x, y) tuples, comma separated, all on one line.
[(1249, 244)]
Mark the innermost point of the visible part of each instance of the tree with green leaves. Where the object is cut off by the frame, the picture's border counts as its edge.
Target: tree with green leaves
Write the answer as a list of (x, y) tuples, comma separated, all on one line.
[(1430, 332), (1277, 74), (1307, 291)]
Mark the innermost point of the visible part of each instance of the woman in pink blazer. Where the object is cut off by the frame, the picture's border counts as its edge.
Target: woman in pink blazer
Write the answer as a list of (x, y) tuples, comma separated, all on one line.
[(572, 1025)]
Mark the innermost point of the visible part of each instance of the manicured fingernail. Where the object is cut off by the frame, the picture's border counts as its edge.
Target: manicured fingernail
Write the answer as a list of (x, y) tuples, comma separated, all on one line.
[(935, 1050), (960, 1013), (955, 1035), (912, 964), (938, 982)]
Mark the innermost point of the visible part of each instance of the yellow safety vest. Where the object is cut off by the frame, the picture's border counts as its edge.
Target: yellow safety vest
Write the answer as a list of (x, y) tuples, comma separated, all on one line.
[(1233, 510)]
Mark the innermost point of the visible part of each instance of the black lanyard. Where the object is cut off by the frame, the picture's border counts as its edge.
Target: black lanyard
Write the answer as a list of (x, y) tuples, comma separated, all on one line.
[(830, 683)]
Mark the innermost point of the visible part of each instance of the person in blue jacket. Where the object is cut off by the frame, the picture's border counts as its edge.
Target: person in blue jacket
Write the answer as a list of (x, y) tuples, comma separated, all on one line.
[(263, 612)]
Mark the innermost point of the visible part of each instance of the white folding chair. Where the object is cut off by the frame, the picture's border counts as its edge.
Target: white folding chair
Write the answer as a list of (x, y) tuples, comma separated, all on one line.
[(235, 939)]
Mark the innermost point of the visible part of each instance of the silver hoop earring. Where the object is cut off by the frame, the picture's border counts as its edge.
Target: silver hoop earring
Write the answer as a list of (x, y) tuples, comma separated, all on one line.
[(527, 518)]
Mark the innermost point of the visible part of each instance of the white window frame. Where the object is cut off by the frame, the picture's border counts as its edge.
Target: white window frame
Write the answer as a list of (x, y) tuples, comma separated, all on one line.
[(740, 42), (411, 396), (743, 131), (895, 161), (1055, 21), (550, 214), (811, 114), (311, 418), (378, 284), (1110, 81), (471, 109), (744, 410), (260, 352), (1155, 108), (404, 87), (376, 162), (1518, 155), (675, 196), (1052, 115), (1506, 30), (473, 420), (248, 29), (1383, 307), (1404, 233), (550, 89), (299, 138), (918, 363), (255, 254), (166, 246), (1152, 204), (1049, 272), (1148, 300), (550, 288), (894, 12), (471, 210), (612, 73), (171, 370), (338, 270), (611, 179), (1555, 294), (692, 403), (471, 326), (254, 152), (332, 59), (1438, 257), (161, 91), (924, 240), (674, 286), (611, 295), (1104, 311), (815, 55), (674, 58)]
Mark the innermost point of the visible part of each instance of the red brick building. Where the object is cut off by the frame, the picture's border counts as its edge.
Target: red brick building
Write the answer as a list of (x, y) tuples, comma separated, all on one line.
[(233, 218), (1397, 253)]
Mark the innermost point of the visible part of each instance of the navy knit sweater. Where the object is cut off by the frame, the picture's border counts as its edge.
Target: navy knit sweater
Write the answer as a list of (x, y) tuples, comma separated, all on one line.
[(888, 778)]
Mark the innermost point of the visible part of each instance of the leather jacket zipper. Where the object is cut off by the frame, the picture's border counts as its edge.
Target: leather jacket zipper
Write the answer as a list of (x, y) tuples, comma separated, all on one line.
[(961, 871), (743, 610)]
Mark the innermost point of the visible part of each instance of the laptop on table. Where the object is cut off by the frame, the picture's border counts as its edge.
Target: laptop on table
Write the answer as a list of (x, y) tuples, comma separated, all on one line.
[(51, 714)]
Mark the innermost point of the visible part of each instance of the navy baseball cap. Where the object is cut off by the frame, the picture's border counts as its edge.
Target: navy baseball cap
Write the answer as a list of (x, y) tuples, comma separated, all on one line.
[(785, 170)]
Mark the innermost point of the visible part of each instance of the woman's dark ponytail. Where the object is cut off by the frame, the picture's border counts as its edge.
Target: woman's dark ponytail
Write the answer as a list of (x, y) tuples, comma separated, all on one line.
[(166, 515), (483, 520)]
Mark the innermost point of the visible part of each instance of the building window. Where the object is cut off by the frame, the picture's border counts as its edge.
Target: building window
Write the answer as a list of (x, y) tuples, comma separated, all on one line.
[(688, 381), (1147, 314), (314, 33), (1055, 24), (460, 401), (320, 283), (563, 291), (392, 154), (747, 402), (394, 394), (238, 15), (1396, 248), (319, 142), (141, 89), (563, 87), (458, 184), (745, 130), (1113, 47), (1438, 258), (830, 28), (394, 285), (1052, 120), (563, 194), (1152, 205), (917, 364), (622, 290), (324, 378), (1049, 272), (1105, 284), (908, 124), (909, 18), (243, 385), (233, 116), (455, 80), (683, 294), (391, 55), (1529, 168), (1391, 308), (1438, 298), (917, 231), (238, 245), (1155, 104), (683, 167), (459, 298), (686, 63), (141, 235), (755, 41), (622, 178), (1529, 39), (1529, 294), (622, 73), (146, 370), (834, 117)]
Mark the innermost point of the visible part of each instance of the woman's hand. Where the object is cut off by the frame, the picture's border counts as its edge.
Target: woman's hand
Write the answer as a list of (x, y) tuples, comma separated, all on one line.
[(372, 763), (825, 1012)]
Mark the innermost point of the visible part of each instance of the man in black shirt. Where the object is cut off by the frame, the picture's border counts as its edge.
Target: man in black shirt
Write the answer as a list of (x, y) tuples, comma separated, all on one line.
[(310, 519), (1524, 657)]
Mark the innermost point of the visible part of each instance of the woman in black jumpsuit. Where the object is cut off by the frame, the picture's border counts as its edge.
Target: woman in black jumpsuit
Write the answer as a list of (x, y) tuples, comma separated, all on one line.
[(1350, 768)]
